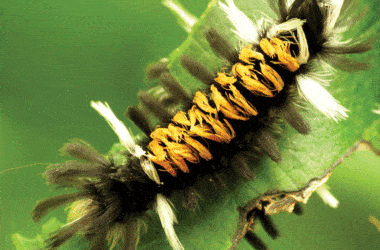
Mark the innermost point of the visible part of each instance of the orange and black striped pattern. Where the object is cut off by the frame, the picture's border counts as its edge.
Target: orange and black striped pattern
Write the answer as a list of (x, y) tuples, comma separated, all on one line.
[(180, 142)]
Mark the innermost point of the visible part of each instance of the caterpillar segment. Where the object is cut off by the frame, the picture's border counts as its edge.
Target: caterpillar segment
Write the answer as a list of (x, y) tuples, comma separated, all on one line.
[(180, 144), (219, 127), (231, 100)]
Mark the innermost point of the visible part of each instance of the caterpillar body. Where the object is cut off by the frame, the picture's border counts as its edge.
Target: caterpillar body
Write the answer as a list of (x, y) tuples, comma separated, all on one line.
[(228, 117)]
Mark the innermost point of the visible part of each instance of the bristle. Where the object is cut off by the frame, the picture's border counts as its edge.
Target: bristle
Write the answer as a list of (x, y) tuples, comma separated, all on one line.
[(244, 170), (98, 241), (155, 70), (350, 17), (295, 119), (126, 138), (160, 94), (332, 16), (105, 216), (154, 107), (359, 47), (191, 199), (313, 92), (169, 101), (65, 174), (289, 25), (267, 224), (135, 114), (61, 237), (221, 46), (67, 231), (244, 27), (282, 9), (173, 87), (43, 207), (118, 127), (268, 144), (124, 235), (168, 218), (149, 169), (327, 197), (218, 181), (295, 7), (255, 241), (84, 151), (304, 52), (197, 69), (185, 19), (346, 64)]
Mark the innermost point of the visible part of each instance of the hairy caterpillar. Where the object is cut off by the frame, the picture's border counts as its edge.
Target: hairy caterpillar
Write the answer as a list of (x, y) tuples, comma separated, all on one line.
[(279, 50)]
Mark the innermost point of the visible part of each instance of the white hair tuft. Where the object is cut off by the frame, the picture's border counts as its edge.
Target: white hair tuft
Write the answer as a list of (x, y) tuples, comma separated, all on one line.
[(245, 28), (313, 92), (168, 218)]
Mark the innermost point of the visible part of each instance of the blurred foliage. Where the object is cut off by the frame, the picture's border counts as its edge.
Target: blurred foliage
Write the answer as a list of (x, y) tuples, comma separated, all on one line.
[(58, 55)]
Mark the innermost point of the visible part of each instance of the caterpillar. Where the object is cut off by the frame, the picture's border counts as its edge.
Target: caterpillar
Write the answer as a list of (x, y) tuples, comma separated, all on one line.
[(240, 101)]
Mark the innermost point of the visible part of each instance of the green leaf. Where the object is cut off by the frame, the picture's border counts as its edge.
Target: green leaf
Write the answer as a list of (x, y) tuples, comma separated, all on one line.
[(64, 71), (38, 242), (304, 157), (372, 134), (23, 243)]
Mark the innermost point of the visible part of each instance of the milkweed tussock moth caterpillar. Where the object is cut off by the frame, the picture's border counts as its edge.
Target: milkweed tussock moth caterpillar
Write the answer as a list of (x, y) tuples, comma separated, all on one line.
[(239, 100)]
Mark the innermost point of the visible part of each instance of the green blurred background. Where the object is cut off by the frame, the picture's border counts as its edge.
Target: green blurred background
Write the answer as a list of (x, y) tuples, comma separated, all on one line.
[(58, 55)]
